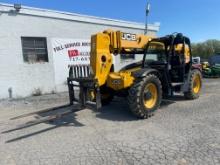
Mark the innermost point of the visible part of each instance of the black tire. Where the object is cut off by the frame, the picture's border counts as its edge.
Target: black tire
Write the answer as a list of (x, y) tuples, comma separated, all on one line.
[(136, 96), (190, 94)]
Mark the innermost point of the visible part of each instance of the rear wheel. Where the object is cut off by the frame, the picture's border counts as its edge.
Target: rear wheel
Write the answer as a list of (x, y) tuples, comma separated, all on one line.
[(195, 85), (145, 96)]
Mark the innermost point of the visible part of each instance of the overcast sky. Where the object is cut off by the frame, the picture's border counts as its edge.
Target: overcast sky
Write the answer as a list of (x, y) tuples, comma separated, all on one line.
[(198, 19)]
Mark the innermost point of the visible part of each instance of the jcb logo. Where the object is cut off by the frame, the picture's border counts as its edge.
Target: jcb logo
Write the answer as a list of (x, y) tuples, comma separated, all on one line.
[(129, 37)]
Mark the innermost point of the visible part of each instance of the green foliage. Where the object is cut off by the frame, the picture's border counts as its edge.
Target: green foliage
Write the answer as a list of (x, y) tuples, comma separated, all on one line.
[(206, 49)]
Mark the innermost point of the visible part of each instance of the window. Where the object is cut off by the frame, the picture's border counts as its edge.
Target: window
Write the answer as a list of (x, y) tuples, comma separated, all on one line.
[(155, 52), (34, 49), (127, 57)]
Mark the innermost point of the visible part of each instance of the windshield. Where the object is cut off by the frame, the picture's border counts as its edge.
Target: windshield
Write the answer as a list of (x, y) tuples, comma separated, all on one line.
[(155, 52)]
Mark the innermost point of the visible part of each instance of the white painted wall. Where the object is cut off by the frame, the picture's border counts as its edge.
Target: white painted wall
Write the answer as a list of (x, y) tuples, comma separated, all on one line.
[(24, 78)]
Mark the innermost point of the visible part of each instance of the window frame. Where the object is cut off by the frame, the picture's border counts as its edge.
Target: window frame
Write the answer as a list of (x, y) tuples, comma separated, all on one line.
[(34, 47)]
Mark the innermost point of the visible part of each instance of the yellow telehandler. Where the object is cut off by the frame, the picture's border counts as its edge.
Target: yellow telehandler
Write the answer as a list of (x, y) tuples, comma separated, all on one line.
[(166, 68)]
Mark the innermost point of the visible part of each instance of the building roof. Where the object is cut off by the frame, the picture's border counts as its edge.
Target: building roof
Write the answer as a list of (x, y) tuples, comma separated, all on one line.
[(6, 8)]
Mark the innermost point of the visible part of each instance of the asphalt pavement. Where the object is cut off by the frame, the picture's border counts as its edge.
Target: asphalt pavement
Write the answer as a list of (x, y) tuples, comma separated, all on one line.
[(180, 133)]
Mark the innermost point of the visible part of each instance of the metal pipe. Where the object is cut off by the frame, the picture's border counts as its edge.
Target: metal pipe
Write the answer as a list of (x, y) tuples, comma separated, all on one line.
[(146, 21)]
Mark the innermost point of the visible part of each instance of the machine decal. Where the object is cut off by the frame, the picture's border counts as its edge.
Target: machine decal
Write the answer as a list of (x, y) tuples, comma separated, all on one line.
[(129, 37)]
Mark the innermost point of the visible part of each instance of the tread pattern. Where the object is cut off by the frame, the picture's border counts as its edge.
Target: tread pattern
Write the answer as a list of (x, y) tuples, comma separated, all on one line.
[(135, 96), (190, 95)]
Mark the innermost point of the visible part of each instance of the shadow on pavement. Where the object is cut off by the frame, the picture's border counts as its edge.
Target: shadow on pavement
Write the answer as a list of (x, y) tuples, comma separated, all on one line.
[(118, 110), (34, 133), (52, 118)]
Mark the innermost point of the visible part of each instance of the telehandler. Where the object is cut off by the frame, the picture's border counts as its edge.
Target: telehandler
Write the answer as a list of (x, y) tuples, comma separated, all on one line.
[(166, 68)]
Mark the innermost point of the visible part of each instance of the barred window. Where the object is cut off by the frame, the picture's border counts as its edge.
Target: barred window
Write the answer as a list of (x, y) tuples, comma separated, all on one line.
[(34, 49)]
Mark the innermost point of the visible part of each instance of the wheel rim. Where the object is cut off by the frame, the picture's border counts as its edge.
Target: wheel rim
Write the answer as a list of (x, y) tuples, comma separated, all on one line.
[(150, 95), (197, 84)]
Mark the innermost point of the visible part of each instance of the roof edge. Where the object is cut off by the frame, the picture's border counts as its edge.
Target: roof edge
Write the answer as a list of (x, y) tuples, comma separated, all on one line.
[(25, 10)]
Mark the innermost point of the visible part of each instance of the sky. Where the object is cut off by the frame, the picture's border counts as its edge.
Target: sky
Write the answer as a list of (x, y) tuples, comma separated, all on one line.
[(197, 19)]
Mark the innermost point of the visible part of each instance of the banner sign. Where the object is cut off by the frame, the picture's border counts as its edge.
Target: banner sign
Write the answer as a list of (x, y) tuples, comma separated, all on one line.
[(69, 52), (75, 51)]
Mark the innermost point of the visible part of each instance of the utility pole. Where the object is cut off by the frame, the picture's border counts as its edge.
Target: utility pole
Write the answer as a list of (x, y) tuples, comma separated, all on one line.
[(146, 21)]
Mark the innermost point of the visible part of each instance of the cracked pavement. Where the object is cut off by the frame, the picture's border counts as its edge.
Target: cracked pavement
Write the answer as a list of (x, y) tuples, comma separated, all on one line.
[(180, 133)]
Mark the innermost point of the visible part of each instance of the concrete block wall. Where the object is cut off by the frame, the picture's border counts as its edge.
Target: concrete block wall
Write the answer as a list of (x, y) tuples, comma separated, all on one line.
[(24, 78)]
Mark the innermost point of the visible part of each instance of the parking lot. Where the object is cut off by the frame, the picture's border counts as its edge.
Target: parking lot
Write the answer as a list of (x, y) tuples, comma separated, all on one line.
[(181, 132)]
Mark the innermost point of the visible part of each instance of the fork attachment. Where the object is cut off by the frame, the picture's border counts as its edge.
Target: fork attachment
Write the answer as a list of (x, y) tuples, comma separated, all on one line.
[(85, 84)]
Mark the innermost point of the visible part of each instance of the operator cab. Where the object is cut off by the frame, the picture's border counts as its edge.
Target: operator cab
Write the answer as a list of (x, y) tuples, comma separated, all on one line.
[(170, 55)]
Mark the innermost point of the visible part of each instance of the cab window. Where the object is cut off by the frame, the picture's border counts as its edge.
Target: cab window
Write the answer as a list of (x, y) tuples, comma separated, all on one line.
[(155, 52)]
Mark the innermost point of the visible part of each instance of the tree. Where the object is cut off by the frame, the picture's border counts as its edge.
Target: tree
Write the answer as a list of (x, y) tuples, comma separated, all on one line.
[(206, 49)]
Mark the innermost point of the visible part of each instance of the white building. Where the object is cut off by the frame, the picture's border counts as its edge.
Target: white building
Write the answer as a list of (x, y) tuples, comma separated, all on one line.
[(26, 52)]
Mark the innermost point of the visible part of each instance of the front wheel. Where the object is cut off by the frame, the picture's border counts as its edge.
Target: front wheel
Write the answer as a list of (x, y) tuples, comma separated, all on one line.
[(145, 96), (195, 85)]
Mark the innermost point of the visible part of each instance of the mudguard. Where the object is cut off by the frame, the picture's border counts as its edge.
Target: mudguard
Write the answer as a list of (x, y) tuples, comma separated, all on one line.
[(131, 66), (144, 72)]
